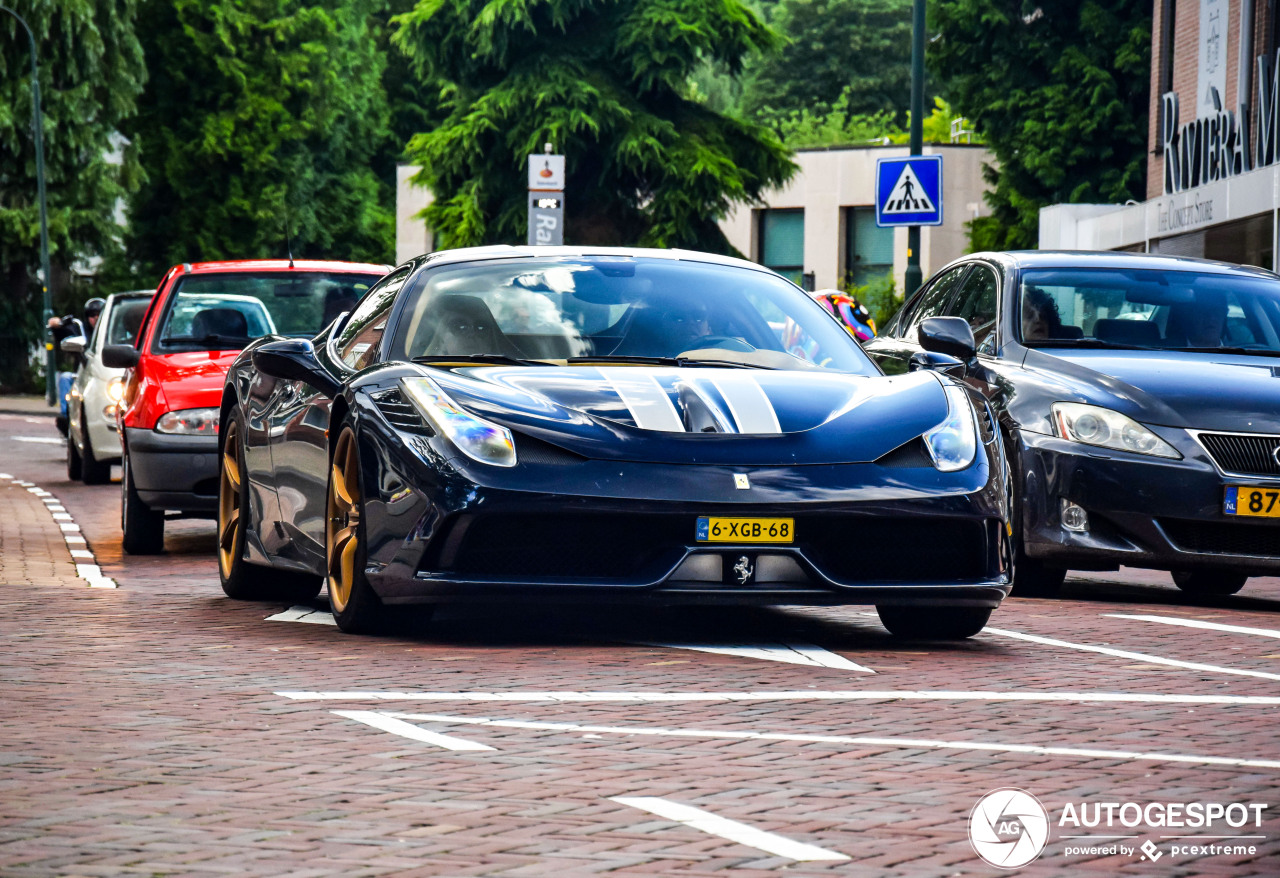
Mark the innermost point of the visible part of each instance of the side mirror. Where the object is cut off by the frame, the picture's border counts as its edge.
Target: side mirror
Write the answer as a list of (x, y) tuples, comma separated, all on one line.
[(120, 356), (948, 335), (294, 359), (73, 344), (932, 361)]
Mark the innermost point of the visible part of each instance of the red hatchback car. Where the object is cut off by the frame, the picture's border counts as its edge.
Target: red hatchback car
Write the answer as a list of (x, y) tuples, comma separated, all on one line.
[(202, 315)]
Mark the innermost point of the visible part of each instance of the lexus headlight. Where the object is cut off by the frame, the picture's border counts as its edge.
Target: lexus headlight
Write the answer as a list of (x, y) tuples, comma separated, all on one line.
[(477, 438), (115, 389), (1094, 425), (189, 422), (953, 443)]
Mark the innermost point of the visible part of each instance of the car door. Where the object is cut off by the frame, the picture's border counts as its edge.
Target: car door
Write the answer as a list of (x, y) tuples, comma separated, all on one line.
[(893, 349), (300, 423)]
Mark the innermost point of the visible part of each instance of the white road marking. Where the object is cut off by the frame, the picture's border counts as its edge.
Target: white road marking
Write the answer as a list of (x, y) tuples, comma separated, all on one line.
[(43, 440), (303, 614), (6, 477), (791, 653), (1134, 656), (90, 572), (61, 516), (81, 553), (407, 730), (906, 743), (783, 695), (1196, 623), (712, 824)]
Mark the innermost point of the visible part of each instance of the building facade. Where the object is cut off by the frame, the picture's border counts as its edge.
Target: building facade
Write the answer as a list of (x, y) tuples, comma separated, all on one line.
[(1213, 163), (820, 229)]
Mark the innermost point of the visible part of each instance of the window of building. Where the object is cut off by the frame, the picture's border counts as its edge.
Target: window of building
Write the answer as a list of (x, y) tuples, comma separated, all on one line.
[(782, 241), (1247, 242), (868, 254)]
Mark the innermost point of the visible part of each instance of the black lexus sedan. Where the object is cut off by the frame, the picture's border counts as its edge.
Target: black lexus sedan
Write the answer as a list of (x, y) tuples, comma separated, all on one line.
[(1139, 396), (612, 425)]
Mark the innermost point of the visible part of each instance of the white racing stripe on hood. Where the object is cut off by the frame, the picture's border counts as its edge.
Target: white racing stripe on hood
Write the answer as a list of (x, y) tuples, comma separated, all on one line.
[(748, 403), (648, 403)]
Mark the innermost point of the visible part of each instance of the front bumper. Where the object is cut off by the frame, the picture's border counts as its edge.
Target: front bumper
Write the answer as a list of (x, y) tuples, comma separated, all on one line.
[(625, 532), (1143, 511), (174, 472)]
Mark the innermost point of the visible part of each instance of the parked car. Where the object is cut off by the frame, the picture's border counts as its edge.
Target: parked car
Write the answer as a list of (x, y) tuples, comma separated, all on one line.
[(546, 424), (200, 318), (93, 441), (1139, 399)]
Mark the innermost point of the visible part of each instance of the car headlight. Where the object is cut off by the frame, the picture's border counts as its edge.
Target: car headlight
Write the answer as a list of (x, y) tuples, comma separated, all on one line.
[(1094, 425), (189, 422), (953, 443), (477, 438), (115, 389)]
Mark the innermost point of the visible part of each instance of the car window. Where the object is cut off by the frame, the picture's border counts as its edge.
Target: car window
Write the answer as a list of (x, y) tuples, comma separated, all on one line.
[(125, 321), (932, 302), (223, 311), (1149, 308), (976, 304), (359, 340), (608, 307)]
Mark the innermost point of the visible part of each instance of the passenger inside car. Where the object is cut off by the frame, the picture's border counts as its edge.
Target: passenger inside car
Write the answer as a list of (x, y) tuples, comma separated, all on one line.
[(461, 325), (1200, 323), (1040, 317)]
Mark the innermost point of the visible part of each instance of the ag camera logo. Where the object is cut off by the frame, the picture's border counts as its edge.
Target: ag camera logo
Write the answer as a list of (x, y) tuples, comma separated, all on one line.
[(1008, 828)]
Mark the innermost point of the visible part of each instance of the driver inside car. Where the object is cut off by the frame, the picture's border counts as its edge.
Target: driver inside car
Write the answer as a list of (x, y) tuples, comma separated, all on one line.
[(687, 323)]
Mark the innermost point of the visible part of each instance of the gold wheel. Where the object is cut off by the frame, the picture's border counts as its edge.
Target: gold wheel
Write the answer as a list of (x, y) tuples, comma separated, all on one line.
[(342, 522), (229, 500)]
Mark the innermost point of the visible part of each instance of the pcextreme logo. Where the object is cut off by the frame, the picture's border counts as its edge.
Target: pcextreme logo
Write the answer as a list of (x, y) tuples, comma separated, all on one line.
[(1008, 828)]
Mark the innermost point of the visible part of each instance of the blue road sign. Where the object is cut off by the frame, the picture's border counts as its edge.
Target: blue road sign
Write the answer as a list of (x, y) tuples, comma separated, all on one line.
[(909, 191)]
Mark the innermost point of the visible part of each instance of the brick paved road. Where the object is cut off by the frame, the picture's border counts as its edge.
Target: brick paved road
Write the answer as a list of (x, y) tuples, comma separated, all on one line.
[(144, 734)]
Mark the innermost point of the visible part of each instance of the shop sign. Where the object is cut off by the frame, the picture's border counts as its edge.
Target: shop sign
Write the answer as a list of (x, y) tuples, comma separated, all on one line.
[(1216, 145)]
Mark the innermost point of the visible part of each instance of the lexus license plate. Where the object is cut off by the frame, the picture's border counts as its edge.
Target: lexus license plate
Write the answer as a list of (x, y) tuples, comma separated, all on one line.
[(1254, 502), (746, 530)]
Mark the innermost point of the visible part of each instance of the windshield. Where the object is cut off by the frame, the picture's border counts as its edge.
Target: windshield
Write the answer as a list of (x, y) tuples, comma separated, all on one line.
[(1157, 309), (125, 320), (225, 311), (603, 307)]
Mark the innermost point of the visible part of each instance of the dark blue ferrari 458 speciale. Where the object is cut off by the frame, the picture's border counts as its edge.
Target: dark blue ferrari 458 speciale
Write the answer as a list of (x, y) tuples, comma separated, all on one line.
[(609, 425)]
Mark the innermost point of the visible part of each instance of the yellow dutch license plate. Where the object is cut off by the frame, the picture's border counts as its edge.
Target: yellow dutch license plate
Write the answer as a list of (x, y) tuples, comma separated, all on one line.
[(746, 530), (1256, 502)]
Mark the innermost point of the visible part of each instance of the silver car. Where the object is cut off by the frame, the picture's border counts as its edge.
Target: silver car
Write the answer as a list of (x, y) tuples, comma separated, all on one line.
[(93, 443)]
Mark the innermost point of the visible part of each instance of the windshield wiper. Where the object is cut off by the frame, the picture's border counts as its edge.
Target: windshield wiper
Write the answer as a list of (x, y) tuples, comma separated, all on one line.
[(1087, 343), (497, 359), (1252, 352), (238, 341), (665, 361)]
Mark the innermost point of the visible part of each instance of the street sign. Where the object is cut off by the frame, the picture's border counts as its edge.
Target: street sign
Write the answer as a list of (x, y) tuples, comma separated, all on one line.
[(546, 218), (546, 173), (909, 191)]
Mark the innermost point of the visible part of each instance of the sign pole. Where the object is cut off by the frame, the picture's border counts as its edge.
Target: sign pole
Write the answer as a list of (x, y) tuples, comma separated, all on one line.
[(546, 198), (37, 131), (914, 277)]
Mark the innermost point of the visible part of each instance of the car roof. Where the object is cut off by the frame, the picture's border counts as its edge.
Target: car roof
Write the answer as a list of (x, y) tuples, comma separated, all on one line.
[(506, 251), (284, 265), (1116, 259), (131, 294)]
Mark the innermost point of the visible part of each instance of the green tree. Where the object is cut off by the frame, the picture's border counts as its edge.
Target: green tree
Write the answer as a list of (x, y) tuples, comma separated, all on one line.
[(607, 83), (91, 71), (259, 124), (1059, 91), (856, 49), (837, 127)]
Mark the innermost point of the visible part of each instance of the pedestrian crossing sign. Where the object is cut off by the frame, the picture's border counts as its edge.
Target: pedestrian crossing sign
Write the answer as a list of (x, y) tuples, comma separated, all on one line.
[(909, 191)]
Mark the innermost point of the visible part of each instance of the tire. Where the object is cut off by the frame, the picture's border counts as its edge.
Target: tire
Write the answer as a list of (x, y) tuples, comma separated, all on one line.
[(241, 579), (1031, 578), (1209, 582), (356, 607), (75, 465), (95, 472), (143, 527), (933, 623)]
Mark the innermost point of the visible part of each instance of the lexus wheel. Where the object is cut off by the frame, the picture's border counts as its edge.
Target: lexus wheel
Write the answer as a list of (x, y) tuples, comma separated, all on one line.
[(1209, 582), (933, 623)]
